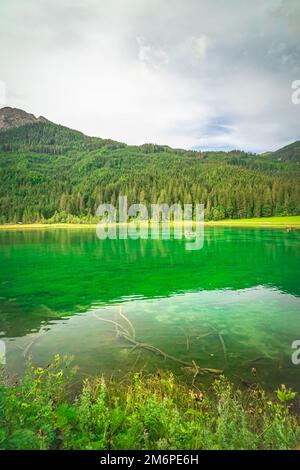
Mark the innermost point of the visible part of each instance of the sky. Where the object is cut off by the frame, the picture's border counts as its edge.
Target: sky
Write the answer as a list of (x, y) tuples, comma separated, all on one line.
[(194, 74)]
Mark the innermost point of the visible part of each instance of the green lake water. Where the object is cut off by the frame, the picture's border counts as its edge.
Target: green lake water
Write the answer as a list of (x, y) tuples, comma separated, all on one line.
[(233, 305)]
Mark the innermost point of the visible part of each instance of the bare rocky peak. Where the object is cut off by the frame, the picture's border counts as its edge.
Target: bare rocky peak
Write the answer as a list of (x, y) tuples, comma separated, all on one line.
[(13, 117)]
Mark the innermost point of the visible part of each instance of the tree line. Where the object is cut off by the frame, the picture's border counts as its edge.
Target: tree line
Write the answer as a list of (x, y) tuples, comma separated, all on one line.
[(50, 173)]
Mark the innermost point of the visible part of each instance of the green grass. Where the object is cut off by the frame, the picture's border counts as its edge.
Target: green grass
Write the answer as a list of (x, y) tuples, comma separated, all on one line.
[(283, 221), (292, 221), (151, 412)]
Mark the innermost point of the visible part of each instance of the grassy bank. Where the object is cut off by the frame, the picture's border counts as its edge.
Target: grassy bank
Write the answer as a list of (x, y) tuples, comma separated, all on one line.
[(277, 222), (143, 412), (284, 221)]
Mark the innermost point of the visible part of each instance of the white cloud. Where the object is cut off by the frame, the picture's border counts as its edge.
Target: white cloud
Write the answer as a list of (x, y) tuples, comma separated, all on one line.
[(186, 74), (198, 46), (153, 56)]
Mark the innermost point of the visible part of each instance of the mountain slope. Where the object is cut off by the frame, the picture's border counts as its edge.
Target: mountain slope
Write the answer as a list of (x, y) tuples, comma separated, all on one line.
[(290, 153), (51, 172)]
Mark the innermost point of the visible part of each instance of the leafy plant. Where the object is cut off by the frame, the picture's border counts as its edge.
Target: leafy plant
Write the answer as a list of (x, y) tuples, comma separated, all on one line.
[(154, 412), (284, 394)]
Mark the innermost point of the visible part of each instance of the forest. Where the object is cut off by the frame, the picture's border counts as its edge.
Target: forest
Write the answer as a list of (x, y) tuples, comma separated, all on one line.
[(50, 173)]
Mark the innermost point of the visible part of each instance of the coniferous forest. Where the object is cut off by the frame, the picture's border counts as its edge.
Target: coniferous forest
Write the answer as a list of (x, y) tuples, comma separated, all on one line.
[(52, 173)]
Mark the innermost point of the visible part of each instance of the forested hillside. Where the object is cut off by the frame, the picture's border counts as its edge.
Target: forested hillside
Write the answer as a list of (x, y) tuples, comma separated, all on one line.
[(51, 172), (289, 153)]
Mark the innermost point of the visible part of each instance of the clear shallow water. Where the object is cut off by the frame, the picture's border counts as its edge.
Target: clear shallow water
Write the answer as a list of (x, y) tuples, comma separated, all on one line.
[(242, 290)]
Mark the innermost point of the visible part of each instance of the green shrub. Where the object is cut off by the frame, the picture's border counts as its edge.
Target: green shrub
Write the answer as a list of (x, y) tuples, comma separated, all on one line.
[(153, 412)]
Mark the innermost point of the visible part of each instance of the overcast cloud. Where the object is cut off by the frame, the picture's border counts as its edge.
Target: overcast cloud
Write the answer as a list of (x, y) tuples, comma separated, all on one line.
[(187, 73)]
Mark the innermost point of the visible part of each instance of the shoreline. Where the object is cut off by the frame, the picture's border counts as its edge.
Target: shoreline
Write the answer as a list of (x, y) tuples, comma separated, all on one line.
[(290, 222)]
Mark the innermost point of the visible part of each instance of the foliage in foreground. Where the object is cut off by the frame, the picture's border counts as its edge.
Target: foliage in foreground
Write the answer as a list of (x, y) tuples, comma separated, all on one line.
[(153, 412)]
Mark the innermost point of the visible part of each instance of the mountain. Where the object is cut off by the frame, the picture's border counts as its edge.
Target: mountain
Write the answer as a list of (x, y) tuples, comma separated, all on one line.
[(24, 130), (50, 172), (290, 153), (13, 117)]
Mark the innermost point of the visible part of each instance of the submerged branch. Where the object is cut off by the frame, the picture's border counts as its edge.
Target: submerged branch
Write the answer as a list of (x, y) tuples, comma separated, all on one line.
[(116, 324), (29, 345), (221, 341), (124, 333), (128, 321)]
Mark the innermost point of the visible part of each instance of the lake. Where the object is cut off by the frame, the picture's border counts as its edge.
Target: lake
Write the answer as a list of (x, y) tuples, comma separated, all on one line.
[(233, 305)]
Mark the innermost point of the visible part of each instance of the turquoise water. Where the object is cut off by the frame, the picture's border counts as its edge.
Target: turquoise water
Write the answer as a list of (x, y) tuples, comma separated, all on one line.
[(232, 305)]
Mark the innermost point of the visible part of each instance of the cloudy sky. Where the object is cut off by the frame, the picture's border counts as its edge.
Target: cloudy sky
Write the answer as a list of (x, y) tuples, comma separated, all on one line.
[(205, 74)]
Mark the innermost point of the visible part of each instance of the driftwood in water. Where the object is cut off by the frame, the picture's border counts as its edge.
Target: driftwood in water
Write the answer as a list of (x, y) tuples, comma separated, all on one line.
[(28, 347), (254, 360), (221, 341), (123, 333)]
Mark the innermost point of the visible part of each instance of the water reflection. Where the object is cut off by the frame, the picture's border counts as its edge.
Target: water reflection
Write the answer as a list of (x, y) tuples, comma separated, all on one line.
[(49, 274), (229, 330)]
